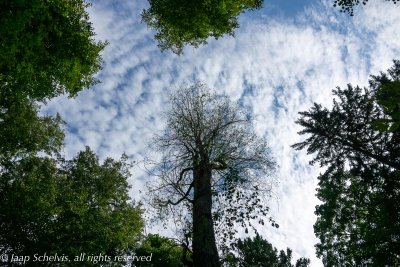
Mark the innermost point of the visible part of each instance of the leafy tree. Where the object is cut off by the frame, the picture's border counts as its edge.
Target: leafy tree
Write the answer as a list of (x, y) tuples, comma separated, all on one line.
[(48, 204), (348, 5), (47, 47), (97, 215), (258, 252), (28, 196), (235, 206), (67, 208), (206, 138), (388, 96), (180, 22), (359, 216), (303, 262), (165, 252), (23, 131), (361, 213)]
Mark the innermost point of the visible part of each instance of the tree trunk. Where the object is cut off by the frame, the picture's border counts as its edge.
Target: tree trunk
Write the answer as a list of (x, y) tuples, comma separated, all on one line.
[(205, 252)]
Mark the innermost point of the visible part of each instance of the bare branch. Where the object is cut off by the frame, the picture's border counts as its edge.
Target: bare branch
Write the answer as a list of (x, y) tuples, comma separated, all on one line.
[(182, 173), (184, 197)]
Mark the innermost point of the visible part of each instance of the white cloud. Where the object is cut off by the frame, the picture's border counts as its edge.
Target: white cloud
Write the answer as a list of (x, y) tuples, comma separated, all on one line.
[(288, 64)]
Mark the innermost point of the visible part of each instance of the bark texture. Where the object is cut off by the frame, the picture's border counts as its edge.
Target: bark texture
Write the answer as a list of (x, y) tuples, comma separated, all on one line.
[(205, 253)]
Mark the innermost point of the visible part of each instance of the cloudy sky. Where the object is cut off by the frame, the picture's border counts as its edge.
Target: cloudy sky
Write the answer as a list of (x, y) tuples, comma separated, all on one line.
[(283, 58)]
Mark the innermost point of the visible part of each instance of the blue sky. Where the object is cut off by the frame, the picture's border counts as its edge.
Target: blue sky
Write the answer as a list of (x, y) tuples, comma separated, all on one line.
[(286, 8), (283, 58)]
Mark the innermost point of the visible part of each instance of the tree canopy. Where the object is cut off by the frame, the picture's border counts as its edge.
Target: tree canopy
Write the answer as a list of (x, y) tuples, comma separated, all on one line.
[(23, 131), (258, 252), (67, 207), (358, 220), (47, 48), (348, 5), (207, 140), (180, 22), (50, 205), (165, 252), (388, 96)]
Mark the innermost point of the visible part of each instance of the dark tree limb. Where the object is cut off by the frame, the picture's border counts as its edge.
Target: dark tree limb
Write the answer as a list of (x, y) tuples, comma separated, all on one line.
[(184, 197)]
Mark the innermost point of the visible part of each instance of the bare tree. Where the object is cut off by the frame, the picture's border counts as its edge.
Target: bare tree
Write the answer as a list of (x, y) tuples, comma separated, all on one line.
[(208, 146)]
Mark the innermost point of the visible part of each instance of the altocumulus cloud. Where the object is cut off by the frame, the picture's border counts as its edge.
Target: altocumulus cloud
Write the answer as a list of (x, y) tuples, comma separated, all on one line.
[(275, 67)]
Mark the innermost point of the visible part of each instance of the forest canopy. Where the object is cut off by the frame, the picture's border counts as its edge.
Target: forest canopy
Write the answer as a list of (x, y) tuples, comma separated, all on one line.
[(215, 172), (358, 141), (180, 22), (47, 48)]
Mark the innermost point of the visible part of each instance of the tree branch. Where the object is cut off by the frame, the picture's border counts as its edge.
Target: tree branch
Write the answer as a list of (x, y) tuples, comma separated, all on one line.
[(182, 173), (185, 196)]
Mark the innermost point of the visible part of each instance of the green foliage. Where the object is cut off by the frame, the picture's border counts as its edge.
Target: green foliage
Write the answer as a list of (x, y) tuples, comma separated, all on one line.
[(181, 22), (29, 192), (303, 262), (359, 218), (96, 213), (48, 204), (165, 252), (215, 165), (23, 132), (67, 207), (237, 205), (388, 96), (47, 47), (348, 5), (258, 252)]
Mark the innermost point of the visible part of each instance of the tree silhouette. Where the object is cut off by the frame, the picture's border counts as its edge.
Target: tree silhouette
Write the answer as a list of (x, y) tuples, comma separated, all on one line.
[(358, 220), (206, 137), (258, 252), (348, 5)]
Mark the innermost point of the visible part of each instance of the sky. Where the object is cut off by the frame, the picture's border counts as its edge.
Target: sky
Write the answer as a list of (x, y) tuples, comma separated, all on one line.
[(283, 58)]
